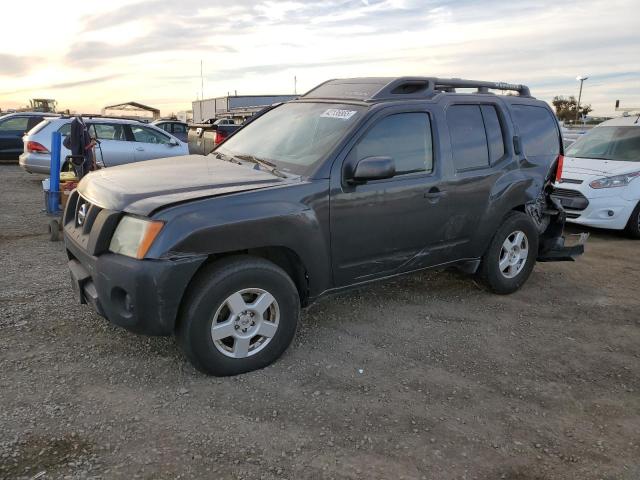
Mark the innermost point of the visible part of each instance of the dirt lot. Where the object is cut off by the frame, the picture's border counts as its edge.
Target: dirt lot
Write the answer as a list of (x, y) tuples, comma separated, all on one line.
[(424, 377)]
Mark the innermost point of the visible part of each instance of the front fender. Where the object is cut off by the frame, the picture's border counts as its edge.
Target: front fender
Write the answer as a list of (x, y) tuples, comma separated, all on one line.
[(294, 217)]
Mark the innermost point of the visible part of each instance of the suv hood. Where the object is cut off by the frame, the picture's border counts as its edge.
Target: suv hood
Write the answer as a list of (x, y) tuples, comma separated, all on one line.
[(140, 188)]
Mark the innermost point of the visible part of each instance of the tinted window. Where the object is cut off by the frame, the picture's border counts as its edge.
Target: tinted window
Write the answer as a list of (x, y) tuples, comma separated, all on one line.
[(179, 128), (33, 121), (608, 143), (538, 130), (405, 137), (109, 131), (493, 129), (468, 138), (148, 135), (17, 124)]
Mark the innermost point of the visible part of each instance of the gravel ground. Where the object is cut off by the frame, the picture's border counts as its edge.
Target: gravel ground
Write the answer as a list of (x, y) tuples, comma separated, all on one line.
[(428, 376)]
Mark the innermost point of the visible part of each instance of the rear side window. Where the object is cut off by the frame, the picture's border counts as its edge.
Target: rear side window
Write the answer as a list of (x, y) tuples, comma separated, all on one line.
[(108, 131), (468, 138), (14, 124), (405, 137), (538, 130), (65, 129)]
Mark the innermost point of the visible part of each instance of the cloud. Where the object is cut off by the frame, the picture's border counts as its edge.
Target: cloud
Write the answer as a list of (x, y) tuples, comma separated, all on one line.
[(13, 65), (64, 85)]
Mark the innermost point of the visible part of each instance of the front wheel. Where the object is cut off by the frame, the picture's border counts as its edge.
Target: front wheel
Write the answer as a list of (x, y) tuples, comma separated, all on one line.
[(511, 255), (240, 314), (633, 225)]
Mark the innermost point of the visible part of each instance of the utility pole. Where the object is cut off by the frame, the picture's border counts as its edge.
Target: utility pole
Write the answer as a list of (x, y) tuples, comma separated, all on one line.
[(581, 79)]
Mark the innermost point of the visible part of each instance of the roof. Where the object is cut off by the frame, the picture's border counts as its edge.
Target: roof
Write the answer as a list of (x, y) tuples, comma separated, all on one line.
[(132, 106), (372, 89), (30, 114)]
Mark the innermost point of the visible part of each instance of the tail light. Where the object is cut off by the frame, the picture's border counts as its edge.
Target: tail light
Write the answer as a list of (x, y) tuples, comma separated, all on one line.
[(559, 168), (35, 147), (220, 137)]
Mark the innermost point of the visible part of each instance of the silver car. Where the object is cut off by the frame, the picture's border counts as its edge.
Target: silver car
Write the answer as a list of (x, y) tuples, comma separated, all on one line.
[(120, 141)]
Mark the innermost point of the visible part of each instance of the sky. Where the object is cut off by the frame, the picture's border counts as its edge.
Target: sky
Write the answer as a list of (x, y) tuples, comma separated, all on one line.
[(90, 53)]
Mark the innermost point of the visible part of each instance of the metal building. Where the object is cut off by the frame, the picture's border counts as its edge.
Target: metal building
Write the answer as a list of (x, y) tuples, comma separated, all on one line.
[(237, 107)]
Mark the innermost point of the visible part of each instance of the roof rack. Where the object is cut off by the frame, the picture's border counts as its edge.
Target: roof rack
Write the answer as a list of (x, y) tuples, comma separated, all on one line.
[(381, 88)]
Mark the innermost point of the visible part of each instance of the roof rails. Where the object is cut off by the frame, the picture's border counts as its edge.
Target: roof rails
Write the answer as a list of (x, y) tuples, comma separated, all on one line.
[(380, 88)]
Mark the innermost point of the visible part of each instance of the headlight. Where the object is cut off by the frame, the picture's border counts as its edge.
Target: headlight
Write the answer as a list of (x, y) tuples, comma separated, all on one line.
[(617, 181), (133, 236)]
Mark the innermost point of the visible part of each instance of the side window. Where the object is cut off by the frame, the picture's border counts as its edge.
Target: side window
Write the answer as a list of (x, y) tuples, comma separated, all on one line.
[(405, 137), (468, 138), (179, 128), (165, 126), (537, 129), (65, 129), (495, 136), (109, 131), (148, 135), (14, 124)]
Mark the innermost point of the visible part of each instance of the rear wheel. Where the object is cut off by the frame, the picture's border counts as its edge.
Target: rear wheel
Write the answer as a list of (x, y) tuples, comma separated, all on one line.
[(633, 225), (240, 314), (511, 255)]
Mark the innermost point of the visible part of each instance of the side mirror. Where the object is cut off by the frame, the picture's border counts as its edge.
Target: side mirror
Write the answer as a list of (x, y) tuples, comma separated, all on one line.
[(374, 168), (173, 142)]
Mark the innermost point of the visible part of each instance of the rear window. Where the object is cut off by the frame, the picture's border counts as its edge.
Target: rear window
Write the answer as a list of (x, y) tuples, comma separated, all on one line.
[(65, 129), (38, 127), (538, 130)]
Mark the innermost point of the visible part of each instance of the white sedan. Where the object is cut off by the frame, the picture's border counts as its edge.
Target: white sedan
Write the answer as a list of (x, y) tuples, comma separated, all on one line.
[(600, 179)]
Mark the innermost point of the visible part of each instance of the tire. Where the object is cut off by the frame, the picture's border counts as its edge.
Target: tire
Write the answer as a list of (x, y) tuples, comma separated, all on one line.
[(216, 294), (500, 270), (633, 225)]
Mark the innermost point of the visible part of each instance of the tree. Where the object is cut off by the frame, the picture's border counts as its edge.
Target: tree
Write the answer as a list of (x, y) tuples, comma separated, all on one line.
[(566, 108)]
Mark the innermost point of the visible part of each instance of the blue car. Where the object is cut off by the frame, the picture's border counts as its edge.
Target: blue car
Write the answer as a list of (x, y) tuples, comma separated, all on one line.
[(12, 127)]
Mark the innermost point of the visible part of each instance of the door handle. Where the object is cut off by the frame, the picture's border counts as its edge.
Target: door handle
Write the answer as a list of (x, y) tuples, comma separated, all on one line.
[(140, 149), (434, 194)]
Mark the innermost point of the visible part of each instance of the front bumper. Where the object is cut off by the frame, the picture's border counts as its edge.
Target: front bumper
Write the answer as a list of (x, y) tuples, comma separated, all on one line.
[(604, 212), (142, 296)]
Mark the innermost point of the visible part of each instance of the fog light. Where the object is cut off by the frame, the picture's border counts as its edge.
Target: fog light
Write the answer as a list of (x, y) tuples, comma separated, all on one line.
[(610, 213)]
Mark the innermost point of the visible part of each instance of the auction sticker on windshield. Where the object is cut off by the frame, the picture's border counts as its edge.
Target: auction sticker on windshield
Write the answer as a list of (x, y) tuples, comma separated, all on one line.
[(338, 113)]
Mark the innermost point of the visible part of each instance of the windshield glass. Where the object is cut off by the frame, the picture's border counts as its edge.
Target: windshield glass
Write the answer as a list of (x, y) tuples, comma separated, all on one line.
[(608, 143), (294, 136)]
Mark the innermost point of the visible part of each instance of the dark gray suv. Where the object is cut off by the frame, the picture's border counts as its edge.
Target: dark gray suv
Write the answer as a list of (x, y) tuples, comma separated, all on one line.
[(358, 180)]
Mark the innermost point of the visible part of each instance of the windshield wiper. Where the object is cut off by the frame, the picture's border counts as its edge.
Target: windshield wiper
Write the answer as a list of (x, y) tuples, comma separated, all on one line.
[(265, 163), (225, 158)]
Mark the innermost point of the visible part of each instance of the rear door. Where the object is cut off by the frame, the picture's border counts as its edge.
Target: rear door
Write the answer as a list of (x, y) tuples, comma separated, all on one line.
[(11, 131), (479, 154), (114, 147), (150, 143)]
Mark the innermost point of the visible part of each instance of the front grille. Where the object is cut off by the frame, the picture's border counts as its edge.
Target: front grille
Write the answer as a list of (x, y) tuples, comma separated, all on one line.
[(570, 199), (89, 225)]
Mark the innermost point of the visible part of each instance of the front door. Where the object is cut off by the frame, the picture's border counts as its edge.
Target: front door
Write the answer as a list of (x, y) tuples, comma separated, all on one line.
[(384, 227), (150, 143)]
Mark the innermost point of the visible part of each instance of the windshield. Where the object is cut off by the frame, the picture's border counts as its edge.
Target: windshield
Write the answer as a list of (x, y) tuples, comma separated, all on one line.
[(294, 136), (608, 143)]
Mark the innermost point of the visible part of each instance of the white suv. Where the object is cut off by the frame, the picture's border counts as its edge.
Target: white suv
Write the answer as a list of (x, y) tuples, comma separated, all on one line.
[(121, 141), (599, 185)]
